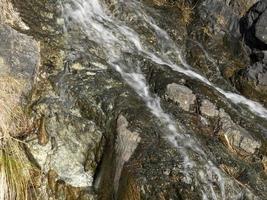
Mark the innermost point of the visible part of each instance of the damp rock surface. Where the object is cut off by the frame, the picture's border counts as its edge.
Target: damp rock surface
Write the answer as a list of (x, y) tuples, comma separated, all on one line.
[(182, 95), (125, 102)]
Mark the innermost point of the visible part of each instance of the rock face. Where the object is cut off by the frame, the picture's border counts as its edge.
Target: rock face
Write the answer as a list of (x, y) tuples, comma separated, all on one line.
[(19, 58), (94, 138), (72, 142), (19, 53), (260, 28), (235, 136), (253, 26), (252, 81)]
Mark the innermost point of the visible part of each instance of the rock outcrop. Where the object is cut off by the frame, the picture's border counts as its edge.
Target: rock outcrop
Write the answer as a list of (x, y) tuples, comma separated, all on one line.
[(252, 81), (92, 136)]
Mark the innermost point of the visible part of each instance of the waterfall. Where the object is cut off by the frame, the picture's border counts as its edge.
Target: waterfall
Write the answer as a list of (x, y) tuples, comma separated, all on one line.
[(119, 41)]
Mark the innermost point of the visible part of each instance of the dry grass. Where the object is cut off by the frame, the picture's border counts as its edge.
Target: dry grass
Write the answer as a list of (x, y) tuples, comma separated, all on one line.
[(186, 12), (13, 120), (14, 168), (14, 171), (206, 30), (245, 5)]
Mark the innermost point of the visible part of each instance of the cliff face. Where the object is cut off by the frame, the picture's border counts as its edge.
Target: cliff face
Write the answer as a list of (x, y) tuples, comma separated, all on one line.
[(89, 135)]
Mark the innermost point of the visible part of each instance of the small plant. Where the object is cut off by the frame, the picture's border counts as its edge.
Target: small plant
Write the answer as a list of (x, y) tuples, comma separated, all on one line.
[(186, 12), (244, 6), (14, 168), (221, 21), (14, 171), (206, 30)]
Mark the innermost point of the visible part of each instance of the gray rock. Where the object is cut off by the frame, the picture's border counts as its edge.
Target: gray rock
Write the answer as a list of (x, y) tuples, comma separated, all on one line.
[(261, 28), (151, 170), (222, 17), (209, 109), (73, 142), (253, 26), (181, 95), (258, 73), (236, 137), (126, 144), (252, 80), (19, 53)]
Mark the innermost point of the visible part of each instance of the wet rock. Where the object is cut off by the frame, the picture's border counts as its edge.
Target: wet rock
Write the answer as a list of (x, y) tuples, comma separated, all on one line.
[(73, 141), (84, 101), (236, 137), (258, 73), (126, 144), (223, 16), (182, 95), (208, 109), (19, 56)]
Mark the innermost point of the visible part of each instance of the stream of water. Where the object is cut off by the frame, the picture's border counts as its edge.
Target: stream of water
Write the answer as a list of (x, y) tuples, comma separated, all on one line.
[(119, 42)]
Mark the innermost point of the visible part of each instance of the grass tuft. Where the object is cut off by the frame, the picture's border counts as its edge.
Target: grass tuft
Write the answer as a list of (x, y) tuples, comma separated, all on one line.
[(14, 166), (14, 172), (186, 12), (12, 117)]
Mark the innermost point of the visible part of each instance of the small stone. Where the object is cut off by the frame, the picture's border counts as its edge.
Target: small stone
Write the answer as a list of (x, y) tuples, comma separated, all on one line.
[(77, 66), (181, 95), (126, 143), (60, 21), (209, 109)]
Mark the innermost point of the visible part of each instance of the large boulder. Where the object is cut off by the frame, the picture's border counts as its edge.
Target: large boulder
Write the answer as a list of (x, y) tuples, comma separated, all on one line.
[(253, 26), (252, 80)]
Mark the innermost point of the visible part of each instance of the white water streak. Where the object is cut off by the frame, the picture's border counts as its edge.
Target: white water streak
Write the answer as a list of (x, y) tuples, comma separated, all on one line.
[(115, 38)]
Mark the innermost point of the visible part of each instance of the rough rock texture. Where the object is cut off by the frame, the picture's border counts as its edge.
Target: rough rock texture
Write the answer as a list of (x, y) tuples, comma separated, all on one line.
[(260, 28), (72, 141), (62, 142), (181, 95), (10, 16), (19, 53), (252, 26), (235, 136), (208, 109), (19, 58), (126, 143), (252, 81), (96, 139)]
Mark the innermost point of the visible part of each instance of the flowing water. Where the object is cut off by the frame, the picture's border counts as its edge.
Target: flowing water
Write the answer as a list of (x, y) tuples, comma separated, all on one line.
[(115, 32)]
